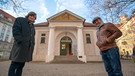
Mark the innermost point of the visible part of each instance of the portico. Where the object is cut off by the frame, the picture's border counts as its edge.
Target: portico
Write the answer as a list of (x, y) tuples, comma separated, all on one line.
[(65, 34)]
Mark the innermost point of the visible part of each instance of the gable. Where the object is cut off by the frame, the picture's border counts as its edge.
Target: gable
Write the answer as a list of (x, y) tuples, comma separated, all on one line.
[(65, 16)]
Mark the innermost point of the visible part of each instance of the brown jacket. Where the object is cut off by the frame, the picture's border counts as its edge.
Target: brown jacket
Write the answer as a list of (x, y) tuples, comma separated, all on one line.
[(106, 36)]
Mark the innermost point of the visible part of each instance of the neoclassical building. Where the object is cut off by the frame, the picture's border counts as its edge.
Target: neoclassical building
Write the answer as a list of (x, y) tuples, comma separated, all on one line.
[(66, 34), (127, 40), (6, 38)]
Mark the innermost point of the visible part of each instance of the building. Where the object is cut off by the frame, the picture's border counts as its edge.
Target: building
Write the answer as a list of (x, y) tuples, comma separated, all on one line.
[(66, 34), (127, 40), (6, 39)]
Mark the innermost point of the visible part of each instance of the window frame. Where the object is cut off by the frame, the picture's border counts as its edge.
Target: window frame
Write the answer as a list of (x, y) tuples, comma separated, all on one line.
[(42, 38), (88, 39)]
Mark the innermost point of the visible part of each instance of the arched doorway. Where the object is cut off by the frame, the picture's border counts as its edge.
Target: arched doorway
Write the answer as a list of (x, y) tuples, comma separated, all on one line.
[(66, 46)]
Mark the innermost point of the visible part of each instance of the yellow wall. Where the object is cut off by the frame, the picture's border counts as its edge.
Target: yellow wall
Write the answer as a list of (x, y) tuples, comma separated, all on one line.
[(126, 41)]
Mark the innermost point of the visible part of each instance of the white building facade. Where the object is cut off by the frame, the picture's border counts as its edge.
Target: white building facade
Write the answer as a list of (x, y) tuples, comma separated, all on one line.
[(6, 38), (5, 29), (66, 34)]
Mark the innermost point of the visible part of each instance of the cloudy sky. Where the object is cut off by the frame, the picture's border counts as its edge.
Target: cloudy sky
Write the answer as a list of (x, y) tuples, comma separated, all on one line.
[(48, 8)]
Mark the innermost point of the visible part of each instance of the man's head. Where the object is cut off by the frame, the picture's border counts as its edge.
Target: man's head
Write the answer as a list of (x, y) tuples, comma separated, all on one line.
[(97, 21), (31, 16)]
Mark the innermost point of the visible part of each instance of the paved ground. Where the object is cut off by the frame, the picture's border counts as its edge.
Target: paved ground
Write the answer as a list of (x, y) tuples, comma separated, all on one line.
[(88, 69)]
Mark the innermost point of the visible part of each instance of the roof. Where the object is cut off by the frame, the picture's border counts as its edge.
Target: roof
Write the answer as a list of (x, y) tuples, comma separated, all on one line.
[(60, 14), (46, 24), (43, 24), (7, 15), (66, 11), (87, 24)]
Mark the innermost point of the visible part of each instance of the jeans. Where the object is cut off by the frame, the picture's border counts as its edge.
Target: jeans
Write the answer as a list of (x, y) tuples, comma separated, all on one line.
[(111, 59), (16, 68)]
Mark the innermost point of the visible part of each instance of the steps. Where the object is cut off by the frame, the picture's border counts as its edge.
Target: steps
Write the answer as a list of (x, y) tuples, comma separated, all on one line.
[(66, 60)]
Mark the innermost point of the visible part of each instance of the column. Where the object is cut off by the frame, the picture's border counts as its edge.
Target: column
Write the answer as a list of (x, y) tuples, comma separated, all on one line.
[(50, 53), (80, 45), (10, 35), (5, 33), (1, 27), (37, 38)]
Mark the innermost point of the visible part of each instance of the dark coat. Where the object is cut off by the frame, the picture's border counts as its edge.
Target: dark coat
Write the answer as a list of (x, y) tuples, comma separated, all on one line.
[(24, 40)]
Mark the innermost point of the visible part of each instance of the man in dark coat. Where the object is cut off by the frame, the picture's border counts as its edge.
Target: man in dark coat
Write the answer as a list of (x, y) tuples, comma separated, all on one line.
[(107, 33), (24, 40)]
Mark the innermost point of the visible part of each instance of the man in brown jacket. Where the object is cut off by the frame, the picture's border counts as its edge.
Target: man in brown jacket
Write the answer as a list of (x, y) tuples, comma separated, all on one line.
[(106, 35)]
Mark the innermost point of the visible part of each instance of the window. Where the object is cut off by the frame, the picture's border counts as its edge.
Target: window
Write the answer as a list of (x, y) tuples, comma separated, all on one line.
[(10, 19), (88, 41), (63, 46), (42, 38), (42, 34), (3, 31), (0, 37), (1, 15), (8, 31)]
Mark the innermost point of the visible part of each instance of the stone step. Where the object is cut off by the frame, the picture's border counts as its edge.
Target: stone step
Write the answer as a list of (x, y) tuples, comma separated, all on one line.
[(66, 60)]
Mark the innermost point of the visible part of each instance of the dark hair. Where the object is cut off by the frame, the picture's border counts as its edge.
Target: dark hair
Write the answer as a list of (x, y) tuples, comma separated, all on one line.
[(95, 19), (31, 14)]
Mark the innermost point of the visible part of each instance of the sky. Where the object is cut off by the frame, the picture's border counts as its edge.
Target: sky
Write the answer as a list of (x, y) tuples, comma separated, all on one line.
[(48, 8)]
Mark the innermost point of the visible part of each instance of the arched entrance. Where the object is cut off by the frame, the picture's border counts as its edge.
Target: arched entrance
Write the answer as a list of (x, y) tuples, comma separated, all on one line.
[(66, 46)]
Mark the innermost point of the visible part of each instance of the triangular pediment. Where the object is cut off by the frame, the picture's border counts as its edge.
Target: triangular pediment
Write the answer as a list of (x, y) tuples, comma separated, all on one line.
[(65, 16)]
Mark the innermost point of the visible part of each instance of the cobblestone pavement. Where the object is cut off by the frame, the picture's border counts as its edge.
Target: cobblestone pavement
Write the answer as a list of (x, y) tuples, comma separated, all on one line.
[(88, 69)]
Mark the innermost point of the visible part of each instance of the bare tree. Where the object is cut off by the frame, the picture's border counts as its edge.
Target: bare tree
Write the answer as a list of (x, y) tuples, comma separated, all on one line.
[(93, 7), (118, 7), (16, 5), (110, 10)]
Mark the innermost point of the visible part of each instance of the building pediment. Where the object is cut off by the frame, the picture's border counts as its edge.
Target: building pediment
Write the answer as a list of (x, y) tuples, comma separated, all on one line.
[(65, 16)]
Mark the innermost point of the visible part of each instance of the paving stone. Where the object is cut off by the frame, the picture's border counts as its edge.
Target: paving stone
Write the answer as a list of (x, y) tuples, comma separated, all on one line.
[(86, 69)]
